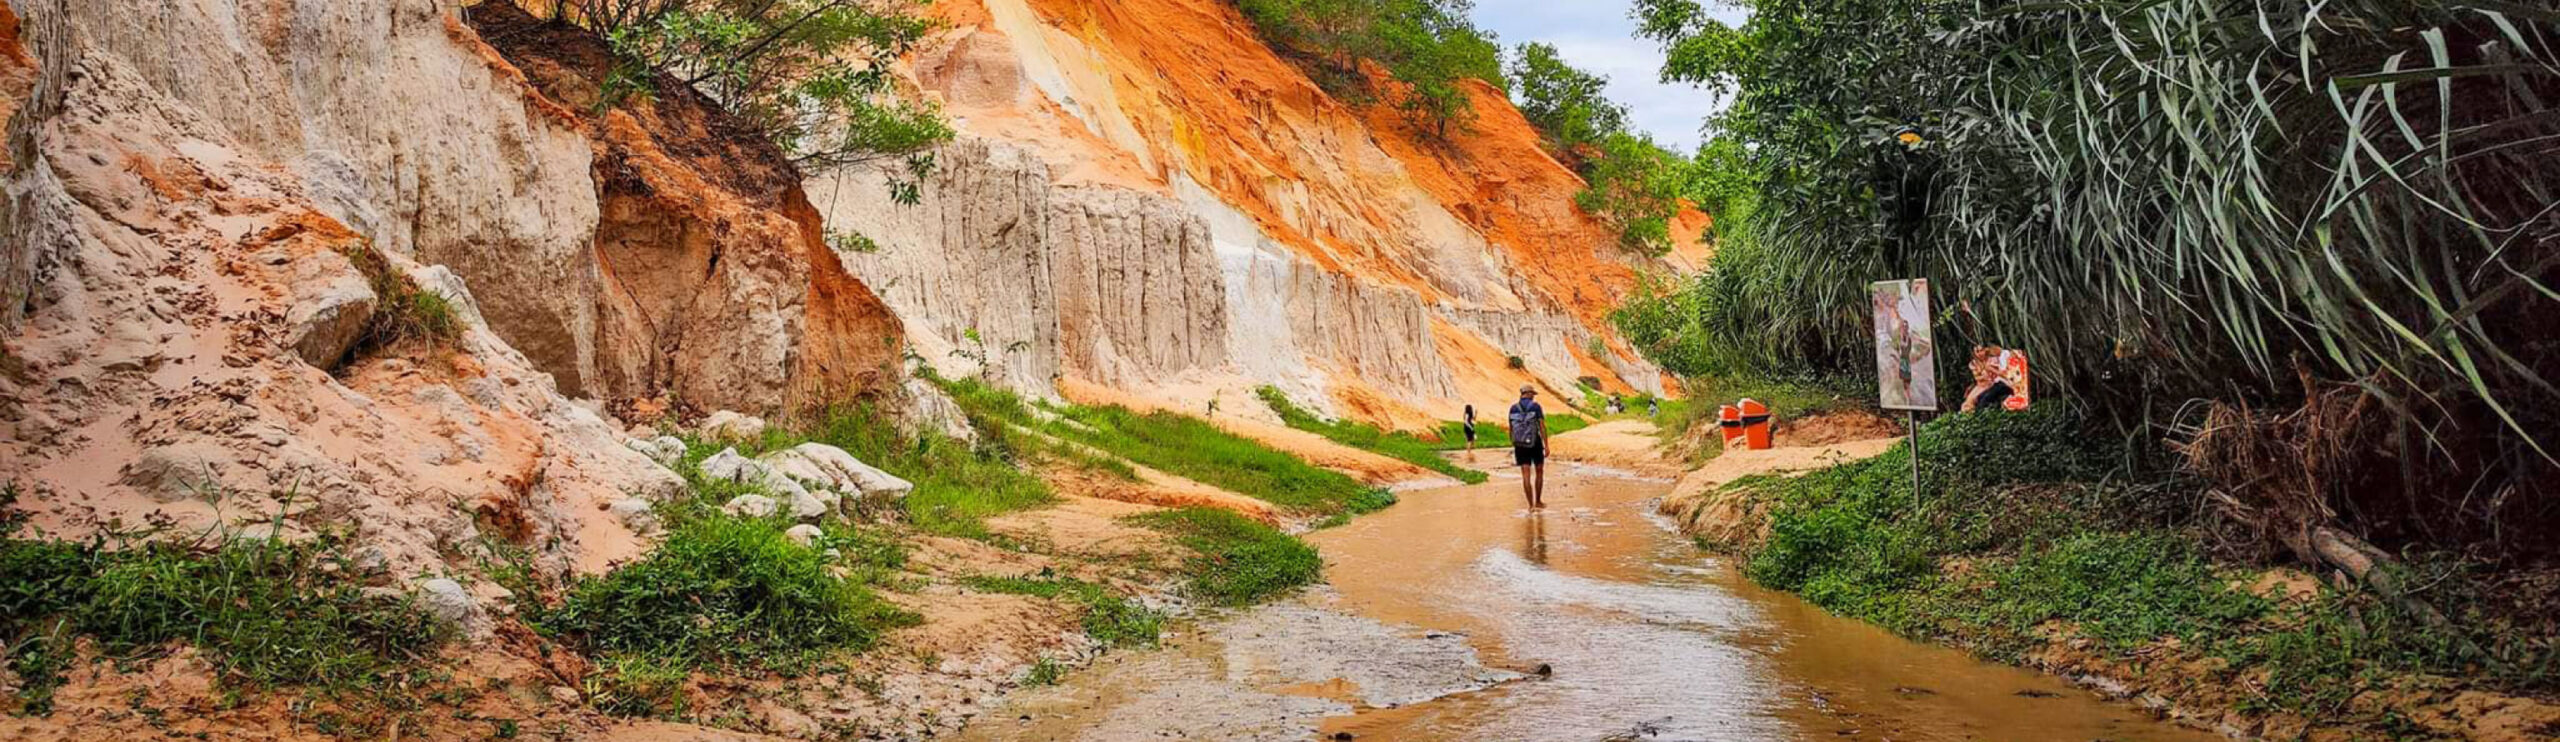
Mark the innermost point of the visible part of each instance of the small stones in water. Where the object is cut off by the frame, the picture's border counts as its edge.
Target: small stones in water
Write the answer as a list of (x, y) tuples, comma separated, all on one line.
[(1911, 691), (1343, 735), (1546, 670), (2033, 693)]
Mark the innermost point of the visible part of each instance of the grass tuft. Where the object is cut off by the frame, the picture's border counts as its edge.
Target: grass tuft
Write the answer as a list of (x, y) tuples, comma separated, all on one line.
[(1236, 561)]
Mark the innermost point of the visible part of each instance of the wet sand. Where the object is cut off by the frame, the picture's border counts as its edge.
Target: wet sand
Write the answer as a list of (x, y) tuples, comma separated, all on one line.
[(1440, 611)]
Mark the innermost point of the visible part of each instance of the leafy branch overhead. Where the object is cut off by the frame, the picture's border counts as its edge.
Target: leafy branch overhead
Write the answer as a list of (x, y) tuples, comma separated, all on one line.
[(812, 76), (1426, 48)]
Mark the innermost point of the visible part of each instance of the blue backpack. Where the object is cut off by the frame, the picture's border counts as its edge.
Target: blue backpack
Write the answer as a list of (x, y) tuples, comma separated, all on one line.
[(1526, 432)]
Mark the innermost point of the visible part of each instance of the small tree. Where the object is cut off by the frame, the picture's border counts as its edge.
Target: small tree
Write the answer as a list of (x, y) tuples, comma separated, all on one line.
[(1570, 107), (812, 76)]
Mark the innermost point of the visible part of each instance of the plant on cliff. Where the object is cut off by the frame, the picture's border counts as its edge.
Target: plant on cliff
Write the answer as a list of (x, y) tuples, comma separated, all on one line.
[(1426, 48), (1570, 107), (815, 77)]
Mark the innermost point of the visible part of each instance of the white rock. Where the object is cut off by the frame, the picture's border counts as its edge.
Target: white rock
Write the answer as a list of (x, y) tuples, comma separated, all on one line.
[(829, 466), (728, 466), (806, 506), (804, 534), (665, 449), (332, 303), (732, 426), (449, 602), (635, 514), (177, 472), (751, 506)]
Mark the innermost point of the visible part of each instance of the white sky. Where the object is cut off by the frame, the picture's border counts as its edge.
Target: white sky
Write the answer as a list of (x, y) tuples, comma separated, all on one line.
[(1599, 36)]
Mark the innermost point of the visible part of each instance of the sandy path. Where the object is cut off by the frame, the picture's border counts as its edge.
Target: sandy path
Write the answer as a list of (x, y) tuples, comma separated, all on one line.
[(1628, 445)]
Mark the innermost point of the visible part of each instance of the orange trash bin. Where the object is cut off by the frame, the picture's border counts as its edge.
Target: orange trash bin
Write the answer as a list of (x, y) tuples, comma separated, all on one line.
[(1755, 424), (1730, 418)]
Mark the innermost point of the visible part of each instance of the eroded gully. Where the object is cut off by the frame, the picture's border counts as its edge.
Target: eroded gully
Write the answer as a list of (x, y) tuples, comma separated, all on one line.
[(1438, 614)]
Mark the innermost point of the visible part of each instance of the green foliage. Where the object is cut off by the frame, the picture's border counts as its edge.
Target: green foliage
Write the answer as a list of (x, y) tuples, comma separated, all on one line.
[(1427, 48), (2042, 514), (1045, 671), (1237, 561), (403, 312), (638, 686), (723, 592), (264, 612), (2181, 199), (1569, 106), (1399, 445), (1181, 445), (852, 241), (1634, 187), (1108, 618), (815, 77), (958, 485)]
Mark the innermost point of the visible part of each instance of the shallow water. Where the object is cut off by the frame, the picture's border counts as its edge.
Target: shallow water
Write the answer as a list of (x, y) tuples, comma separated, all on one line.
[(1441, 609)]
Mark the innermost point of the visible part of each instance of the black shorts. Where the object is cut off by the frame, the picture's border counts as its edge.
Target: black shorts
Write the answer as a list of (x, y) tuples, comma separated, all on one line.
[(1527, 455)]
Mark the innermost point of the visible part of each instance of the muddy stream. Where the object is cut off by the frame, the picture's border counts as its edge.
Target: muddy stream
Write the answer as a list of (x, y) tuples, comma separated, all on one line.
[(1438, 613)]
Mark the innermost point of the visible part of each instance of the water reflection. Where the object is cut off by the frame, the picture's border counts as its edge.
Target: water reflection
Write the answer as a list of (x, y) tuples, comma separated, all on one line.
[(1533, 537)]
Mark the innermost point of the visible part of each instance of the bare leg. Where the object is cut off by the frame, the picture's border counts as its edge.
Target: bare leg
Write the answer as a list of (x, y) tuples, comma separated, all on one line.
[(1538, 494), (1528, 490)]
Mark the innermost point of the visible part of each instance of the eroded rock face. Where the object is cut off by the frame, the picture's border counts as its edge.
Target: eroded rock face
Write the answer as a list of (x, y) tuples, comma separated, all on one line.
[(181, 304), (716, 288)]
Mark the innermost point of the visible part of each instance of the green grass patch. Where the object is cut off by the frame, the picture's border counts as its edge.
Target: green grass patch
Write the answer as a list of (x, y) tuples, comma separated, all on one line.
[(1180, 445), (265, 613), (1398, 444), (2042, 512), (958, 485), (1236, 561), (1108, 618), (724, 592)]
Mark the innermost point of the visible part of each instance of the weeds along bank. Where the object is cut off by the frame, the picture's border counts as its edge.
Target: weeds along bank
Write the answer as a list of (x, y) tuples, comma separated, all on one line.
[(786, 588), (2035, 539)]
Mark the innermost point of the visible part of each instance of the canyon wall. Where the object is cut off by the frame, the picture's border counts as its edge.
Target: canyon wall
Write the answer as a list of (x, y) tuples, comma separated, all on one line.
[(212, 205), (1233, 225)]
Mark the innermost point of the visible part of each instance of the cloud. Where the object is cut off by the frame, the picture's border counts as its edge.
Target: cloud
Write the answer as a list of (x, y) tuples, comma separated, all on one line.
[(1599, 36)]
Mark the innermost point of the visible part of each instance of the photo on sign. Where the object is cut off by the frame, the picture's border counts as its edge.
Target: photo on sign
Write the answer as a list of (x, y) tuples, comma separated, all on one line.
[(1906, 359)]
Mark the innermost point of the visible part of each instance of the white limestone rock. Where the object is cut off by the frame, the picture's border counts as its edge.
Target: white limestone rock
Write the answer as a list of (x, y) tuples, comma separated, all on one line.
[(449, 602), (831, 467), (731, 426), (750, 506), (803, 534)]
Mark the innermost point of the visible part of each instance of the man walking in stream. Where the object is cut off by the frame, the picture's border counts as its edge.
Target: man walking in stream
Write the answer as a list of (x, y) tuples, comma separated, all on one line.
[(1529, 445)]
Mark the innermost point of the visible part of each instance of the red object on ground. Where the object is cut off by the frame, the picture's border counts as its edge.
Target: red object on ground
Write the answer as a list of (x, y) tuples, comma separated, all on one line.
[(1730, 418), (1755, 424)]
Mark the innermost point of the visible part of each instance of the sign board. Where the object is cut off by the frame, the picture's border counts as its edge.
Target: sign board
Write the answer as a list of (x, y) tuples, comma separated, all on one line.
[(1906, 359)]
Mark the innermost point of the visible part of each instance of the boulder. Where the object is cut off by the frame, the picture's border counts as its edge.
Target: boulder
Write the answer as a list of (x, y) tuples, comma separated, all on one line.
[(732, 426), (449, 602), (330, 311), (750, 506), (831, 467), (634, 513), (803, 534), (177, 472), (665, 449), (728, 466)]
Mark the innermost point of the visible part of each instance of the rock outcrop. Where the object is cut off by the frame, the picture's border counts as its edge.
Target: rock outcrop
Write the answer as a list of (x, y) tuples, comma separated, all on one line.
[(190, 190)]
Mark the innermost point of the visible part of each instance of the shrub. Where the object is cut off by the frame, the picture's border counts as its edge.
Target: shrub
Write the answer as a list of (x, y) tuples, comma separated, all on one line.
[(1108, 618), (1236, 561), (1427, 48), (403, 312), (727, 592), (264, 612)]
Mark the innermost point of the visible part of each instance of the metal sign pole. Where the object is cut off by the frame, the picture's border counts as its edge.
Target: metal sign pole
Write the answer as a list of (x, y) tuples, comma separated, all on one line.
[(1913, 417)]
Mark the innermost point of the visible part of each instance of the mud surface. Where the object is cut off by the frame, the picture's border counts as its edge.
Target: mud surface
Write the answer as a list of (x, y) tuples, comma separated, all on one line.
[(1442, 611)]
